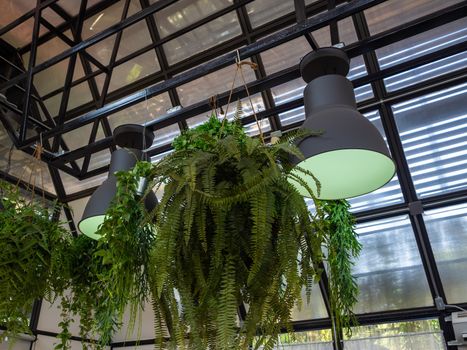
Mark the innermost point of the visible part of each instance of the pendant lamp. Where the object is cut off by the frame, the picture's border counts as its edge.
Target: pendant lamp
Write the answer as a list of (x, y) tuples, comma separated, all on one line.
[(130, 137), (350, 157)]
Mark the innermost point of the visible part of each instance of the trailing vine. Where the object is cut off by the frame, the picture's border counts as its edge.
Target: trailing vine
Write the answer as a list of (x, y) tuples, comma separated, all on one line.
[(111, 274), (342, 249)]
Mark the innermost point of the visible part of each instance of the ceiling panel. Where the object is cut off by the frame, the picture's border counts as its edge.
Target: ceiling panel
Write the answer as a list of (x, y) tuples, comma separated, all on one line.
[(433, 131), (185, 12), (389, 270), (447, 230), (263, 11), (392, 13), (142, 112), (211, 84), (202, 38)]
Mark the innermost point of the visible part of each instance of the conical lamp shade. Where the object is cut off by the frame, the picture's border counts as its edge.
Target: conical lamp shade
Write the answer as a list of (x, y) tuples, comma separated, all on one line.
[(350, 158), (96, 208)]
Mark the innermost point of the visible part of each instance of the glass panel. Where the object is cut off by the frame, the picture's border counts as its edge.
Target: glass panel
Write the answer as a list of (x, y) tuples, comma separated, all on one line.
[(165, 135), (108, 17), (322, 36), (13, 9), (292, 116), (49, 317), (72, 7), (80, 137), (99, 159), (285, 55), (253, 130), (51, 78), (214, 83), (53, 104), (357, 68), (79, 95), (52, 17), (264, 11), (73, 185), (289, 91), (246, 111), (134, 38), (387, 195), (314, 309), (422, 44), (347, 33), (258, 104), (363, 93), (392, 13), (142, 112), (389, 270), (427, 71), (16, 344), (102, 50), (133, 70), (142, 329), (46, 51), (202, 38), (185, 12), (414, 335), (447, 229), (433, 134), (20, 35)]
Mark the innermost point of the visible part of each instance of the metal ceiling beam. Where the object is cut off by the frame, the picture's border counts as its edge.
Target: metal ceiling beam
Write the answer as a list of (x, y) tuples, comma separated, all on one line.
[(162, 59), (29, 73), (95, 39), (181, 66), (417, 26), (69, 78), (26, 16), (259, 85), (276, 39), (67, 25), (365, 106), (300, 12)]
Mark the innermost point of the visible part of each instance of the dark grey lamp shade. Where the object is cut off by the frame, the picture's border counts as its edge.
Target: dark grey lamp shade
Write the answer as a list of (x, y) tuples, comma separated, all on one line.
[(350, 158), (121, 160)]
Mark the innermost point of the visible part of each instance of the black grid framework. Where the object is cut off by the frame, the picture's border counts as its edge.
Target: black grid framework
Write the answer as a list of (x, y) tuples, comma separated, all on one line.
[(35, 119)]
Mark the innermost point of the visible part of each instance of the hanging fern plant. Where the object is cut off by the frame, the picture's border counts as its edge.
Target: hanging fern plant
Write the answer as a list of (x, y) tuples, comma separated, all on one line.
[(29, 246), (231, 231)]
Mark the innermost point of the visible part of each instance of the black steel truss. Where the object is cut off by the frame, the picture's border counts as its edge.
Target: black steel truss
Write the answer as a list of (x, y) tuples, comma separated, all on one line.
[(254, 41)]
